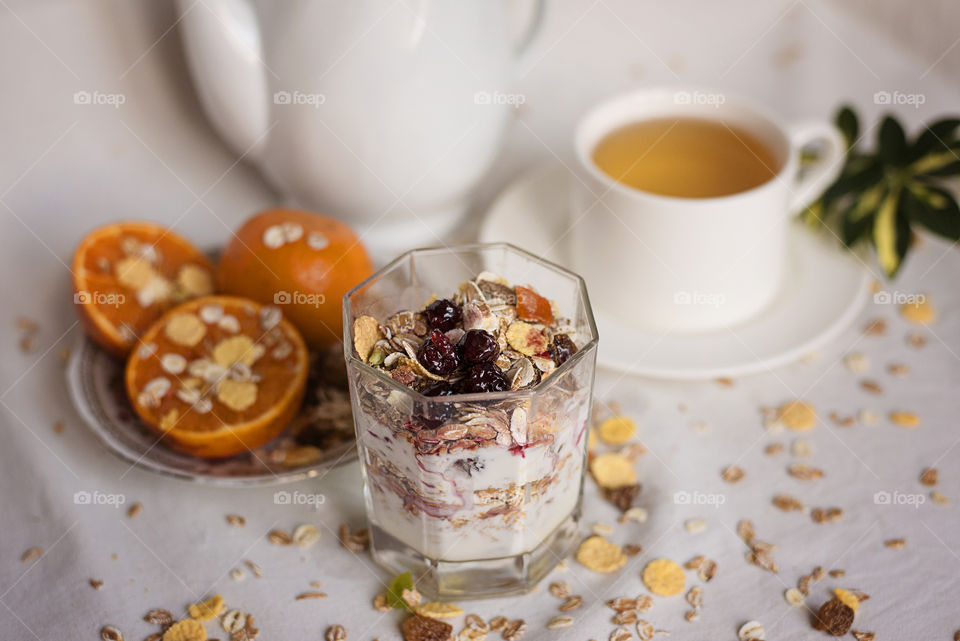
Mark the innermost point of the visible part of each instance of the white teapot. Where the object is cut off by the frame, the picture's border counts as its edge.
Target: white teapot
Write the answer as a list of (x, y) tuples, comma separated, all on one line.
[(382, 113)]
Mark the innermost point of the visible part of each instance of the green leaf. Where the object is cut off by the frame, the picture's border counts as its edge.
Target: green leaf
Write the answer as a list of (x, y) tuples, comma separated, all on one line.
[(855, 179), (892, 142), (936, 163), (934, 208), (849, 125), (395, 591), (936, 136), (885, 234)]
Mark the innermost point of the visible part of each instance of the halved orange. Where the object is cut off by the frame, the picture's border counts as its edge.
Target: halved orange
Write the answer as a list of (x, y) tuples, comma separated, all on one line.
[(125, 275), (218, 375), (301, 261)]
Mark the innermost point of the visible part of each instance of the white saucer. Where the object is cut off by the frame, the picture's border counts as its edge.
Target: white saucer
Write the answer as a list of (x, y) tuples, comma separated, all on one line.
[(823, 292)]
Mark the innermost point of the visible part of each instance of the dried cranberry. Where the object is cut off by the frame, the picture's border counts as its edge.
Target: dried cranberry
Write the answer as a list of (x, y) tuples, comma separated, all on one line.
[(483, 377), (438, 354), (563, 348), (478, 346), (435, 414), (443, 314)]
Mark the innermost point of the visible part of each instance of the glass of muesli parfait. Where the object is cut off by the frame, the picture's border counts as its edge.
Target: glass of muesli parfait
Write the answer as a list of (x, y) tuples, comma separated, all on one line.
[(471, 373)]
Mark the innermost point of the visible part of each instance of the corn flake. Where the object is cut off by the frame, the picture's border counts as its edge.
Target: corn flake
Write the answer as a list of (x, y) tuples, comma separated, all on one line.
[(797, 415), (663, 577), (600, 555), (206, 610), (848, 598), (920, 312), (617, 430), (185, 630), (612, 471)]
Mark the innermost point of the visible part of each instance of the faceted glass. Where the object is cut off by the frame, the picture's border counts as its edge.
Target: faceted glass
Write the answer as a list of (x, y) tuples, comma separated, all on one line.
[(475, 494)]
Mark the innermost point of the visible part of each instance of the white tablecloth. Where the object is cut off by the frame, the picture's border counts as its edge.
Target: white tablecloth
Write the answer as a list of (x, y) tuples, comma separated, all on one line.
[(65, 169)]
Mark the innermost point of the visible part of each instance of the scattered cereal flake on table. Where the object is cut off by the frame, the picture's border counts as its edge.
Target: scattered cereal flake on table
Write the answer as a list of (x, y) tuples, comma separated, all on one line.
[(752, 631), (836, 574), (797, 415), (255, 568), (159, 616), (612, 471), (871, 387), (637, 514), (279, 537), (236, 520), (916, 340), (96, 584), (600, 555), (560, 589), (794, 597), (870, 636), (856, 362), (895, 544), (938, 498), (602, 529), (624, 618), (134, 510), (185, 630), (898, 369), (848, 598), (31, 554), (237, 574), (110, 633), (804, 472), (632, 549), (514, 630), (572, 602), (826, 515), (773, 448), (801, 448), (732, 474), (233, 621), (835, 617), (337, 632), (842, 421), (645, 630), (788, 503), (206, 610), (621, 634), (745, 531), (306, 535), (438, 610), (905, 419), (559, 622), (867, 417), (920, 312), (929, 476), (663, 577), (695, 526), (617, 430), (875, 327), (304, 596), (58, 427)]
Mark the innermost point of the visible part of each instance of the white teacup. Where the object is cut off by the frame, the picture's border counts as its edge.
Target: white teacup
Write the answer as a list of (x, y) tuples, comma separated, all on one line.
[(663, 263)]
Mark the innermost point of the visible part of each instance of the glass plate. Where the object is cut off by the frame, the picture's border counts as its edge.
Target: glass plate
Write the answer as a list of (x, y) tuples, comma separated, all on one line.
[(320, 438)]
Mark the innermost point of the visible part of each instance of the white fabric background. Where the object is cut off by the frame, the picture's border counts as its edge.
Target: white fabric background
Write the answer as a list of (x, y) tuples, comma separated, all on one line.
[(64, 169)]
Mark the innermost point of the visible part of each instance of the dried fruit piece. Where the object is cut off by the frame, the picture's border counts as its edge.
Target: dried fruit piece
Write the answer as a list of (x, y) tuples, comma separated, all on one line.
[(622, 496), (797, 415), (421, 628), (206, 610), (533, 307), (185, 630), (617, 430), (663, 577), (612, 471), (834, 617), (600, 555), (438, 610)]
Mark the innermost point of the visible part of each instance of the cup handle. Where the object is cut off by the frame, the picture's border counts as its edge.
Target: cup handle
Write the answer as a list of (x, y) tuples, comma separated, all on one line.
[(811, 185)]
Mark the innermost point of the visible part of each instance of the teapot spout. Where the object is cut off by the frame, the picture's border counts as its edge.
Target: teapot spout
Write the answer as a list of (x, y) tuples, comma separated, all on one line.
[(225, 57)]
